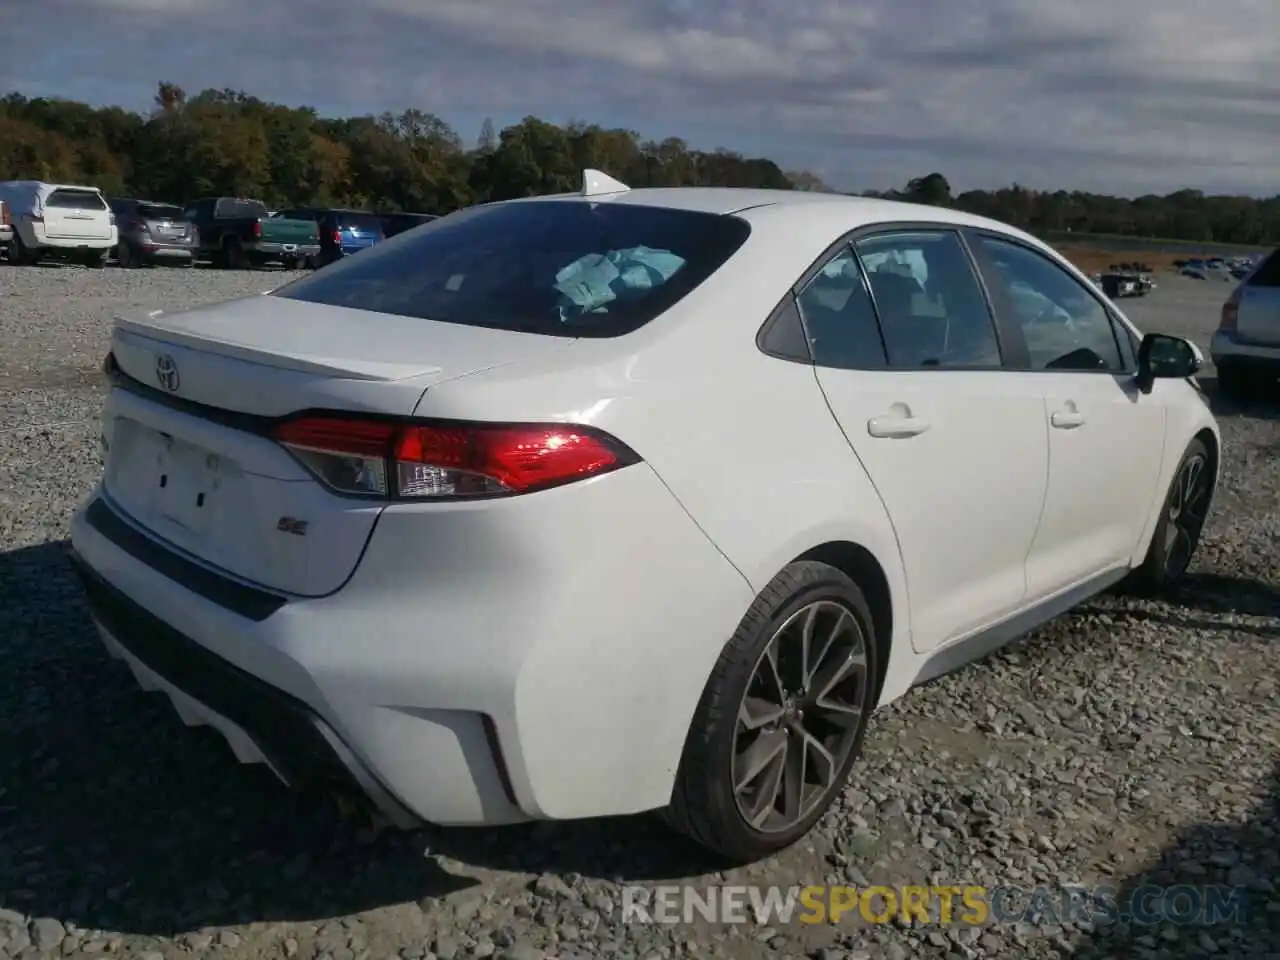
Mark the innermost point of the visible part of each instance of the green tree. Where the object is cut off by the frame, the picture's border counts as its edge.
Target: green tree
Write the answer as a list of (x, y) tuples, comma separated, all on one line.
[(230, 142)]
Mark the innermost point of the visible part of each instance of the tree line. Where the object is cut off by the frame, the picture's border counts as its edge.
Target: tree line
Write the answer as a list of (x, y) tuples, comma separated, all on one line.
[(228, 143)]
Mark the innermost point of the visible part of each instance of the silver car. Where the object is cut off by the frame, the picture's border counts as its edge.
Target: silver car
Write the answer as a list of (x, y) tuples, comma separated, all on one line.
[(153, 233), (1246, 347)]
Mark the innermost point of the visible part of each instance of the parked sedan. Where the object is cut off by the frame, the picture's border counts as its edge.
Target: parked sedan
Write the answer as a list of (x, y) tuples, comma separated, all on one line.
[(629, 500), (153, 233)]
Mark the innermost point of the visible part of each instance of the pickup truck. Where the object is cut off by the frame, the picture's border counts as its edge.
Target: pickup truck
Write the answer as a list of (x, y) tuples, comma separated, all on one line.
[(236, 233)]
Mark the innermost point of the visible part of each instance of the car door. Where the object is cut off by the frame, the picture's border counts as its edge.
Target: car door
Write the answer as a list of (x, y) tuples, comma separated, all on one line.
[(1106, 438), (908, 356)]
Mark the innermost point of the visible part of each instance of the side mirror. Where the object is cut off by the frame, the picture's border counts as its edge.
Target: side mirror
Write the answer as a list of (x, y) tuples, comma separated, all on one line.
[(1162, 357)]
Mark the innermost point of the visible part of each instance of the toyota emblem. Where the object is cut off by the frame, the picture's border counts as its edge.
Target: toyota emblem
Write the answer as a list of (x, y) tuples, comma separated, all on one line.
[(167, 372)]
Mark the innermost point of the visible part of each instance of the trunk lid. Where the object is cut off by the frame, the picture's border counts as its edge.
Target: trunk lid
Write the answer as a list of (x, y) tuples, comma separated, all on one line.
[(210, 481), (167, 230), (165, 223), (1258, 317), (76, 214), (357, 238), (284, 230), (357, 231)]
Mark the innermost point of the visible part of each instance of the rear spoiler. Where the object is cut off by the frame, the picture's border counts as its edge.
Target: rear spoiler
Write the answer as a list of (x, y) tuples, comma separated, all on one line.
[(158, 333)]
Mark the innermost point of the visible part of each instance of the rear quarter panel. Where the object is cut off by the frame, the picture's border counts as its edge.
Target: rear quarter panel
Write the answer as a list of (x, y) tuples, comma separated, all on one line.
[(744, 441)]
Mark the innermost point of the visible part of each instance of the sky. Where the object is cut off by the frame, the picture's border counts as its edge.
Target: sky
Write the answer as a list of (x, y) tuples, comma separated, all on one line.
[(1116, 96)]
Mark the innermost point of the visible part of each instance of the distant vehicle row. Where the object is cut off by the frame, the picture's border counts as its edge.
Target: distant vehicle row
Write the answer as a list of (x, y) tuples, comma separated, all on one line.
[(77, 223), (1237, 268)]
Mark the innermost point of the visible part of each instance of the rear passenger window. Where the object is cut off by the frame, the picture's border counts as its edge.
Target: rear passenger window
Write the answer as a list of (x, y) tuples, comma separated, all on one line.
[(839, 318), (932, 310), (1268, 275)]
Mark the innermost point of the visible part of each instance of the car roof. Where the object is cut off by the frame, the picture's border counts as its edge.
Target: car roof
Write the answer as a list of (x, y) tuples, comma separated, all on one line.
[(797, 208)]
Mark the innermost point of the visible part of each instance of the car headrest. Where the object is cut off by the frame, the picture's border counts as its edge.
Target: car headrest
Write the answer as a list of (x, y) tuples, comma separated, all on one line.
[(893, 291)]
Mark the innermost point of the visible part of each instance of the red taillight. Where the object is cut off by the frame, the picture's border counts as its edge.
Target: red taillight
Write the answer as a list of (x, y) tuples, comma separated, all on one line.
[(257, 229), (5, 218), (419, 460), (337, 238), (1230, 315)]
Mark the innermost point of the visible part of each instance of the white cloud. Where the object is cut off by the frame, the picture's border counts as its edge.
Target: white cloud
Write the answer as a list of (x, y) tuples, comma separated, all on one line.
[(1109, 94)]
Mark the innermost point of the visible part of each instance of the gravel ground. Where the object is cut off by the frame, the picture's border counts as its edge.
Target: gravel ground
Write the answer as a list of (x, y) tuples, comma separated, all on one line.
[(1127, 742)]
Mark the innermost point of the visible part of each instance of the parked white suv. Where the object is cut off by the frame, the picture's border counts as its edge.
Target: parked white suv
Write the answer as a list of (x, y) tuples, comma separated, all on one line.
[(58, 220), (1246, 348), (6, 226)]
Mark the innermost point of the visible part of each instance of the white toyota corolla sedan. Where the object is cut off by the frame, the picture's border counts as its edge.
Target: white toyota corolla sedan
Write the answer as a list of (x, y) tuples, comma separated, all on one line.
[(627, 500)]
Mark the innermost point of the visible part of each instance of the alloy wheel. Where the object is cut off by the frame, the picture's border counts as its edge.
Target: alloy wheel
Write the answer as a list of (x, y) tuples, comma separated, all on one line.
[(800, 716), (1188, 503)]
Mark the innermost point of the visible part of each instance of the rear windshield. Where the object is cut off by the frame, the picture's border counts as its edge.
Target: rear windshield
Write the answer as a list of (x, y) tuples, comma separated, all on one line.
[(65, 199), (361, 221), (229, 209), (159, 211), (559, 267)]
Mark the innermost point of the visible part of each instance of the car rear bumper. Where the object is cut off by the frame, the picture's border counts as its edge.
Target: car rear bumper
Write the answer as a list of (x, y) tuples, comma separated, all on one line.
[(560, 683), (270, 249), (166, 251), (1227, 348), (6, 234), (40, 240), (261, 723)]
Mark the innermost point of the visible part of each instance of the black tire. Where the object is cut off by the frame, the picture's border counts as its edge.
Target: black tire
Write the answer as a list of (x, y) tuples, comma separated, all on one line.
[(235, 256), (19, 255), (1159, 570), (124, 257), (703, 805)]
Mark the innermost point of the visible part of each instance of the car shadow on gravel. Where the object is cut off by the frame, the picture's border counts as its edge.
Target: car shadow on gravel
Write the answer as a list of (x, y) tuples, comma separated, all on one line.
[(1212, 892), (1213, 601), (1265, 405), (115, 816)]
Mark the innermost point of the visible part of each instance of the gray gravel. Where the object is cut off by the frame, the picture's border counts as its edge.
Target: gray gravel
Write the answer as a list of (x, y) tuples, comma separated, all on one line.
[(1127, 742)]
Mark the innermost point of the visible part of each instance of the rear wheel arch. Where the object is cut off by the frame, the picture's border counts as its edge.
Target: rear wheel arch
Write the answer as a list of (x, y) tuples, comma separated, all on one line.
[(861, 566)]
